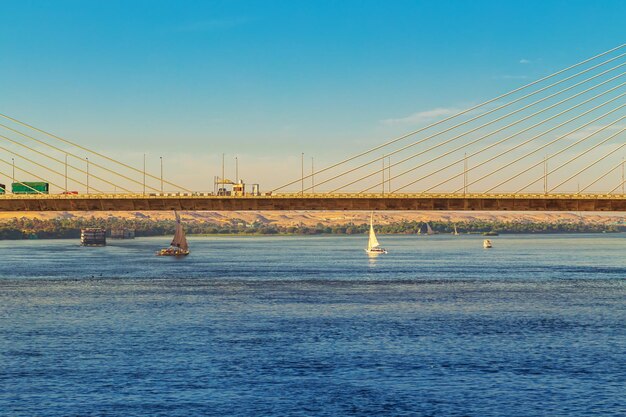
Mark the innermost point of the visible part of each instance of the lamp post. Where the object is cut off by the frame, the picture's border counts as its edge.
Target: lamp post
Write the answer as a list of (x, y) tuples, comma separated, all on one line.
[(545, 175), (87, 159), (622, 175), (389, 174), (383, 171), (13, 162), (161, 159), (302, 181), (65, 173)]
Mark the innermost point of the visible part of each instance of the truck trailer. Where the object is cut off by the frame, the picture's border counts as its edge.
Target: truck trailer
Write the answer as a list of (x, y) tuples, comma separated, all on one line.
[(31, 187)]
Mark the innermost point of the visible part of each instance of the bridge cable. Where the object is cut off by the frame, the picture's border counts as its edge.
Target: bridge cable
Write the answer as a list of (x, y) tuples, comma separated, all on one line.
[(464, 133), (453, 116), (618, 186), (501, 167), (560, 151), (45, 167), (63, 162), (486, 135), (595, 162), (575, 157), (95, 153), (600, 178), (522, 143), (79, 158), (29, 173), (496, 131), (21, 183)]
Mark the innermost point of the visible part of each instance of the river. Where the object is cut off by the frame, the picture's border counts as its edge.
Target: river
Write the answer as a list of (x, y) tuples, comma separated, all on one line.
[(302, 326)]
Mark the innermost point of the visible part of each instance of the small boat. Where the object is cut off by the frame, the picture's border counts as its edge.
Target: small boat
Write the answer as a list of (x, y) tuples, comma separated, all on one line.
[(455, 233), (429, 230), (179, 246), (490, 233), (487, 244), (373, 247)]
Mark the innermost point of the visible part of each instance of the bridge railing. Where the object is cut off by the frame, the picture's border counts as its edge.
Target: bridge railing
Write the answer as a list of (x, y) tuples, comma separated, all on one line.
[(324, 196)]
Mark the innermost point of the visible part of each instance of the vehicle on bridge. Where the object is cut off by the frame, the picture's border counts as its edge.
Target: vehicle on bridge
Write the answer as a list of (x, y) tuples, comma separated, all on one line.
[(30, 187), (3, 189)]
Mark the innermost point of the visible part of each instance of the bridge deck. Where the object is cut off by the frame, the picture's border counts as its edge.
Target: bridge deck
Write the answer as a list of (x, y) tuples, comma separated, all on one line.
[(399, 202)]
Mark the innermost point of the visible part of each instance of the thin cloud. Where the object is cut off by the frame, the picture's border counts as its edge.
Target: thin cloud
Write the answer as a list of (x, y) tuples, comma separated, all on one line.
[(511, 77), (423, 116), (214, 24), (525, 61), (594, 128)]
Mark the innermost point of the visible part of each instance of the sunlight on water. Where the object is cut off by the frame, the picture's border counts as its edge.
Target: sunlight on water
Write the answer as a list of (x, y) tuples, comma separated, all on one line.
[(315, 326)]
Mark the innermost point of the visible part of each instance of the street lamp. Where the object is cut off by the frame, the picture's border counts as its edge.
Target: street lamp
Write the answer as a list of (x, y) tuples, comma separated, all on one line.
[(87, 159), (161, 158)]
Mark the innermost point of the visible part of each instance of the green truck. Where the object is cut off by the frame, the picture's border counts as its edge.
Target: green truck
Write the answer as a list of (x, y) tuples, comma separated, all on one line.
[(30, 187), (3, 189)]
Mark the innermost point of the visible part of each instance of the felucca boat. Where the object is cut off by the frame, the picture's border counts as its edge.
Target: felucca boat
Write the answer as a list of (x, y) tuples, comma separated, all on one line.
[(373, 247), (179, 246), (429, 230), (455, 233)]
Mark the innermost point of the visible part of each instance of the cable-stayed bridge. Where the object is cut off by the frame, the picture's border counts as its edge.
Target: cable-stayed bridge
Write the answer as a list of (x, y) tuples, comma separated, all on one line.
[(557, 143)]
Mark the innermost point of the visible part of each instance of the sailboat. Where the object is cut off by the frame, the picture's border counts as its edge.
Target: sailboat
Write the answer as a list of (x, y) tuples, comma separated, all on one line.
[(455, 233), (429, 230), (373, 247), (179, 246)]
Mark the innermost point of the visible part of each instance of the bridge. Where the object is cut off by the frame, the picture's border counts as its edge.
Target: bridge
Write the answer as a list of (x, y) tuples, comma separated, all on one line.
[(554, 144)]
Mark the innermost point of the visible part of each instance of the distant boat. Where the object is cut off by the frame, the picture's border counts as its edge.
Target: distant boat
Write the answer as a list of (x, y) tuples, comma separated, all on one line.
[(179, 246), (490, 233), (455, 233), (487, 244), (373, 247), (429, 230)]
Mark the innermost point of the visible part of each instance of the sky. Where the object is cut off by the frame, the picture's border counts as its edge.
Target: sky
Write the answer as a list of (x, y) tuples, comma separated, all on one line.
[(268, 80)]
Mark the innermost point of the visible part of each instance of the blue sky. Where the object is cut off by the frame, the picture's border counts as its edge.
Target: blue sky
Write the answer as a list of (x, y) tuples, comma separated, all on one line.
[(269, 79)]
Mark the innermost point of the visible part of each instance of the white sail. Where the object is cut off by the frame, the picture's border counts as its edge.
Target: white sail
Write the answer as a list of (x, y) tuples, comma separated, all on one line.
[(455, 231), (373, 247), (372, 242), (429, 231), (179, 240)]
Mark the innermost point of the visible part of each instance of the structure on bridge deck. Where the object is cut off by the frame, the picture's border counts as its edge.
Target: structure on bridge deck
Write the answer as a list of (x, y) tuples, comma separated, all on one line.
[(556, 143)]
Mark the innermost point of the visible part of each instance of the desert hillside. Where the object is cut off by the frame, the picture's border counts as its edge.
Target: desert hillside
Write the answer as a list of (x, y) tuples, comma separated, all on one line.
[(311, 218)]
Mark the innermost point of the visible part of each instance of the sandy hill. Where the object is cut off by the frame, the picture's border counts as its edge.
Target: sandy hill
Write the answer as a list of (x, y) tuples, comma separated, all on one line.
[(309, 218)]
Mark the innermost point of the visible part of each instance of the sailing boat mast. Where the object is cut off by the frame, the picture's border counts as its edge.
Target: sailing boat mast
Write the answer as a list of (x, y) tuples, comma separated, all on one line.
[(373, 246), (179, 240)]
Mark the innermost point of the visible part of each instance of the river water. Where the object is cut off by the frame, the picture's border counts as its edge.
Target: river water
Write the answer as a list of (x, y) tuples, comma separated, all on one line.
[(305, 326)]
